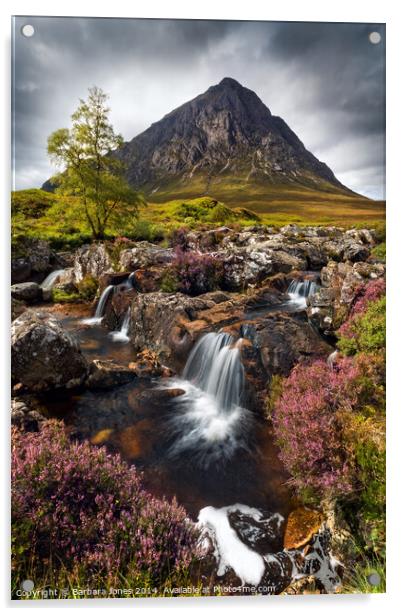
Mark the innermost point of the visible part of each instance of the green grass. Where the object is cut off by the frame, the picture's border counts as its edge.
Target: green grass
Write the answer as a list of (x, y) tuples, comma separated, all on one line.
[(37, 214)]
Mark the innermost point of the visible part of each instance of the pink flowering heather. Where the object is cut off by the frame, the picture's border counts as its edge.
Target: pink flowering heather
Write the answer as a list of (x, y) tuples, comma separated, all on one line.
[(308, 429), (197, 272), (368, 293), (78, 507)]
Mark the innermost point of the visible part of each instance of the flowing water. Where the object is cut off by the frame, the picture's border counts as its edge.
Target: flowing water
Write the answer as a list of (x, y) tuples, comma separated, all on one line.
[(100, 307), (122, 334), (51, 279), (300, 290)]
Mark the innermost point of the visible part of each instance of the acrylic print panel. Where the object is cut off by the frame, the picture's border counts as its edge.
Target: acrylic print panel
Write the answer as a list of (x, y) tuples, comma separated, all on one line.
[(198, 295)]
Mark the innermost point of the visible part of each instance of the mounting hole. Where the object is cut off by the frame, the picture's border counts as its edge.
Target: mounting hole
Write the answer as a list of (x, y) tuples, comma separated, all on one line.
[(375, 38), (28, 30)]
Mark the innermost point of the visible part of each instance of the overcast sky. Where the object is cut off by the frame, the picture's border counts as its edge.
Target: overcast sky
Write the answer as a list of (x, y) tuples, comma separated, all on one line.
[(325, 80)]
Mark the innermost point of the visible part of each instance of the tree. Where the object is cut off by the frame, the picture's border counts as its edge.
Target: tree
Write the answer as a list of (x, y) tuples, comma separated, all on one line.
[(91, 173)]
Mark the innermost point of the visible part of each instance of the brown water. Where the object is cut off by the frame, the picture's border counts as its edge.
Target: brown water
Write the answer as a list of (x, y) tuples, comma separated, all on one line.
[(143, 422)]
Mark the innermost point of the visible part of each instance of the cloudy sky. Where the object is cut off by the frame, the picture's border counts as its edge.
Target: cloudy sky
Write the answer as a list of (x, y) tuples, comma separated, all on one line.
[(325, 80)]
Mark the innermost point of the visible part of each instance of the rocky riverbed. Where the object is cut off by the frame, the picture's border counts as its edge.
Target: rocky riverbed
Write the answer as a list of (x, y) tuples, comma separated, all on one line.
[(177, 383)]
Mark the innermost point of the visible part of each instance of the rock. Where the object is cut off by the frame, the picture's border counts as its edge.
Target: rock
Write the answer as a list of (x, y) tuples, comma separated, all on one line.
[(144, 254), (147, 364), (105, 374), (21, 269), (329, 306), (17, 308), (92, 260), (263, 536), (356, 252), (159, 396), (148, 280), (44, 356), (301, 525), (164, 322), (25, 416), (26, 291)]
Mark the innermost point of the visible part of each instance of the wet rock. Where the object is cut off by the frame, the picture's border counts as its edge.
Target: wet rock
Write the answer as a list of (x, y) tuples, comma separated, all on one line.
[(34, 259), (144, 254), (158, 396), (66, 281), (263, 536), (26, 291), (17, 308), (147, 364), (302, 524), (106, 374), (92, 260), (167, 322), (44, 356)]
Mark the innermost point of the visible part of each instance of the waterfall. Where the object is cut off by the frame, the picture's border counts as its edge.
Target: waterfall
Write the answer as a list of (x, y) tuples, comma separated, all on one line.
[(214, 366), (122, 334), (100, 308), (51, 279), (209, 419), (299, 290)]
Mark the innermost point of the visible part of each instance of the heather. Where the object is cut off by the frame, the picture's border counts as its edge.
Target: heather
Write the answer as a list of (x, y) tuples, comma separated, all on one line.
[(193, 273), (364, 329), (80, 513)]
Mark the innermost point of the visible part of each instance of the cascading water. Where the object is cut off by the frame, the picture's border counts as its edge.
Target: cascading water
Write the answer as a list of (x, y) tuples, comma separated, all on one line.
[(210, 420), (100, 308), (122, 334), (51, 279), (215, 367), (300, 290)]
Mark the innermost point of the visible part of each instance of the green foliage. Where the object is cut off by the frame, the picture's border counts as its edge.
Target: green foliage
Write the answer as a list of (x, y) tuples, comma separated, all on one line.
[(356, 579), (144, 230), (379, 251), (32, 203), (62, 297), (90, 173), (169, 282), (367, 331), (87, 288)]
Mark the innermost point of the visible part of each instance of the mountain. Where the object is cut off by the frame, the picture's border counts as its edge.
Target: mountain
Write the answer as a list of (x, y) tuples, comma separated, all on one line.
[(223, 142)]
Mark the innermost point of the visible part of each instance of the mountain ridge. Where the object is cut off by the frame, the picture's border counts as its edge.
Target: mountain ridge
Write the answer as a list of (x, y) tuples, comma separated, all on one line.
[(226, 134)]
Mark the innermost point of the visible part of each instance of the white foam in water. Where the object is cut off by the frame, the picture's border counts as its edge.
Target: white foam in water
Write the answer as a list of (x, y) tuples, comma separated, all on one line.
[(209, 419), (299, 290), (249, 566), (229, 551), (122, 334), (100, 308)]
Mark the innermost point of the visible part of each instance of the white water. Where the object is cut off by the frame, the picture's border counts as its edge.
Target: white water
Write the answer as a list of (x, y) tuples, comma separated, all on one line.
[(209, 419), (300, 290), (51, 279), (231, 553), (100, 308), (122, 334), (214, 366)]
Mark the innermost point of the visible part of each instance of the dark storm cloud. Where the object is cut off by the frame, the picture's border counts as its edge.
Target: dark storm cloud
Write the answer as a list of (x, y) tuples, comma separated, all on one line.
[(325, 80)]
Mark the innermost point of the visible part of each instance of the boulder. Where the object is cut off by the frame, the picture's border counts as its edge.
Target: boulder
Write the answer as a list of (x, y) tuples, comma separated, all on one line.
[(302, 524), (44, 356), (148, 280), (93, 260), (21, 269), (106, 374), (144, 254), (29, 292)]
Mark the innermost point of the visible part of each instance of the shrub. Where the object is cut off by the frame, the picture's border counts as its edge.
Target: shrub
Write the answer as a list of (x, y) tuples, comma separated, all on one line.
[(364, 331), (169, 281), (63, 297), (88, 288), (78, 509), (197, 272), (307, 427), (379, 251), (143, 230), (178, 238)]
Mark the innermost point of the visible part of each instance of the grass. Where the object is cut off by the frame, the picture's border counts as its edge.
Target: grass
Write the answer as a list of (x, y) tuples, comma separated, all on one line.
[(357, 578), (36, 214)]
